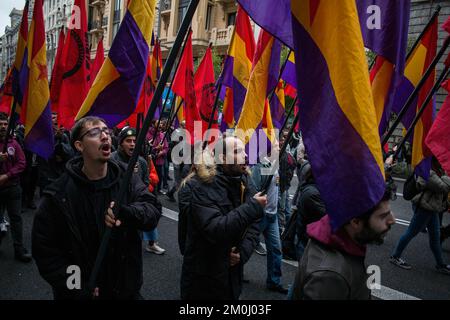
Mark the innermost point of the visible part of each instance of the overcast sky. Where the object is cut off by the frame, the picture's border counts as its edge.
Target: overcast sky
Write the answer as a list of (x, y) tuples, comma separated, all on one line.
[(5, 9)]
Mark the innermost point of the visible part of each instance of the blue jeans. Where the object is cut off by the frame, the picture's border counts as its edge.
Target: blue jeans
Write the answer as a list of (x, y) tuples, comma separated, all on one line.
[(150, 235), (422, 218), (269, 228), (284, 212)]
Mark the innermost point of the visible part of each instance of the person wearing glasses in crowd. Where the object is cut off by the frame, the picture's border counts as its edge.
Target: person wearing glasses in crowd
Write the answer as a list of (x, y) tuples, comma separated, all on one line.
[(78, 207)]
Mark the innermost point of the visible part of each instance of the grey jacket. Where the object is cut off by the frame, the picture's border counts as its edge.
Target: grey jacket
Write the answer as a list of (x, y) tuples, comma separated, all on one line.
[(435, 192)]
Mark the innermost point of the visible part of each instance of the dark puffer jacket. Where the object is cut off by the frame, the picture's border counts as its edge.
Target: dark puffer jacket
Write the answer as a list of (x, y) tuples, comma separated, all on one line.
[(69, 225), (212, 220)]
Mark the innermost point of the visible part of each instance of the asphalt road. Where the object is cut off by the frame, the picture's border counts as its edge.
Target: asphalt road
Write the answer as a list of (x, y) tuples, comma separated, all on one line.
[(161, 273)]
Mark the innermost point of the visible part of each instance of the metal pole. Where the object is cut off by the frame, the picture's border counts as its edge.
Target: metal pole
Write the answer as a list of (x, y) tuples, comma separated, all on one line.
[(140, 139), (416, 91), (289, 114), (430, 95)]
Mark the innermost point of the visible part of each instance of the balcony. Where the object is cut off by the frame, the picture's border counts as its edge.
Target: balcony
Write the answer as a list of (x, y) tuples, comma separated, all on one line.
[(221, 37), (98, 3), (95, 27)]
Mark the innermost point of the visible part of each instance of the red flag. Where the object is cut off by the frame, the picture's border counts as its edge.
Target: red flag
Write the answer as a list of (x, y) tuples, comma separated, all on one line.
[(183, 86), (76, 58), (98, 62), (156, 63), (57, 73), (446, 25), (205, 90), (438, 139), (6, 93)]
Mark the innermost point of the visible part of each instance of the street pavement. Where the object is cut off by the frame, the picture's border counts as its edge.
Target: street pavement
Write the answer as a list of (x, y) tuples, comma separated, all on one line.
[(162, 273)]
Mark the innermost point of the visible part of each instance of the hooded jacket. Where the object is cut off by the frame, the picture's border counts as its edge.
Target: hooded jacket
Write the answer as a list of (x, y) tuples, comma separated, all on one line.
[(435, 192), (217, 212), (69, 225), (332, 266), (14, 164)]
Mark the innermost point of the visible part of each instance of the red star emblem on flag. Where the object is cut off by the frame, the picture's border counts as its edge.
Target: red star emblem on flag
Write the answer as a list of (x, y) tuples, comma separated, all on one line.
[(42, 72)]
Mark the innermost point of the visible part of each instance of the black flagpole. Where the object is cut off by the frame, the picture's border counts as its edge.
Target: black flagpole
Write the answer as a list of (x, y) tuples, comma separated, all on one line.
[(141, 138), (435, 88), (171, 82), (416, 91)]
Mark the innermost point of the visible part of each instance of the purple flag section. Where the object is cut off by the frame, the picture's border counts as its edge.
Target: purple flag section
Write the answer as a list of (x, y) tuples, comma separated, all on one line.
[(384, 25), (289, 75), (272, 16), (274, 66)]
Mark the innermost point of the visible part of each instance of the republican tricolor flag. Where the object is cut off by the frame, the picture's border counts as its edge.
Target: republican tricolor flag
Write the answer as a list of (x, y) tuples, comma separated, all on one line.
[(38, 117), (117, 87)]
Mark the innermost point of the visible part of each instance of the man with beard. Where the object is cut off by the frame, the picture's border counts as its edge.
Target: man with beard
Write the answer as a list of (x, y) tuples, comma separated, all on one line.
[(78, 207), (332, 266), (218, 223), (12, 164)]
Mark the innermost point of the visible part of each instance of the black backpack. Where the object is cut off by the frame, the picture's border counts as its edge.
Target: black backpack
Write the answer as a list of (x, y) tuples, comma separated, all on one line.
[(410, 189)]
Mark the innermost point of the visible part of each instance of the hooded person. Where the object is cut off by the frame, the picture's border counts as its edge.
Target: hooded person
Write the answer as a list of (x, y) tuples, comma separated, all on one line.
[(76, 210), (218, 223)]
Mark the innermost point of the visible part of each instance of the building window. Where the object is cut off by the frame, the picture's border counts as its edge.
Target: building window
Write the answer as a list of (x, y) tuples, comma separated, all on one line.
[(208, 16), (116, 17), (182, 9), (231, 20)]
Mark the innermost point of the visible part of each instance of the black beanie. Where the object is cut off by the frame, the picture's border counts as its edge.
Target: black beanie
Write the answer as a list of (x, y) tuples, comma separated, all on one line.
[(126, 132)]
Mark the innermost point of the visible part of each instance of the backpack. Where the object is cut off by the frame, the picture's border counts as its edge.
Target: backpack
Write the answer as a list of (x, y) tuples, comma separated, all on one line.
[(410, 189)]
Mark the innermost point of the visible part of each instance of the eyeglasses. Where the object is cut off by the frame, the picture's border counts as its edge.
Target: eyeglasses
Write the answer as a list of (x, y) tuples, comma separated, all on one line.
[(96, 132)]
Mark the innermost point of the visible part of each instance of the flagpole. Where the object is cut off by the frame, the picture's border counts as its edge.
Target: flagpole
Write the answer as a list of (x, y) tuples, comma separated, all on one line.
[(430, 95), (425, 29), (289, 113), (140, 139), (416, 91), (282, 151), (171, 121), (171, 82)]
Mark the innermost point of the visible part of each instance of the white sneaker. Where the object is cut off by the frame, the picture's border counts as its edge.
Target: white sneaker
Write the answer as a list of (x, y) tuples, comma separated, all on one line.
[(155, 249)]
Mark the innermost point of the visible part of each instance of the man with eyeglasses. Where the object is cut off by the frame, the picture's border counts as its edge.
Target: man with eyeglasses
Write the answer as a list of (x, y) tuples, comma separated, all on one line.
[(78, 207)]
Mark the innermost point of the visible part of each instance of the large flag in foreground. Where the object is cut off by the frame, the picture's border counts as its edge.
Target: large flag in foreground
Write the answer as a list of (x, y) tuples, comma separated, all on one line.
[(438, 139), (116, 90), (38, 117), (76, 63), (337, 112)]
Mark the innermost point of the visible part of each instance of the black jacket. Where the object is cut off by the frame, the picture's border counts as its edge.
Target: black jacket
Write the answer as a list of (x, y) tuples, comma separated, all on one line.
[(69, 226), (212, 220)]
